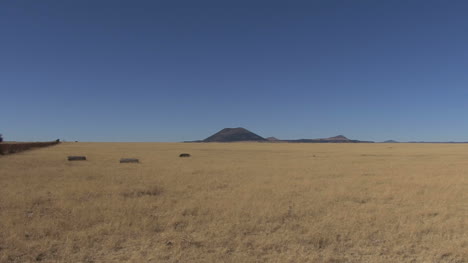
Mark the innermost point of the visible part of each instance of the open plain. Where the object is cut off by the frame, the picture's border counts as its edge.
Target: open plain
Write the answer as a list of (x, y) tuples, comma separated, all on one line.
[(235, 202)]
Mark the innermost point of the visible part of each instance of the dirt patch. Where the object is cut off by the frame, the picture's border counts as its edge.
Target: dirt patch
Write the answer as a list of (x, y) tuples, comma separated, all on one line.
[(151, 191)]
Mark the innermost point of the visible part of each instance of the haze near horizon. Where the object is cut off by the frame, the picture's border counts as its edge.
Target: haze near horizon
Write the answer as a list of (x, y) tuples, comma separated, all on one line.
[(156, 71)]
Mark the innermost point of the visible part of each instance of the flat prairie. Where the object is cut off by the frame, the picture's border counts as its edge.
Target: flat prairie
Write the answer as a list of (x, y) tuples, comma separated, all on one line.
[(235, 202)]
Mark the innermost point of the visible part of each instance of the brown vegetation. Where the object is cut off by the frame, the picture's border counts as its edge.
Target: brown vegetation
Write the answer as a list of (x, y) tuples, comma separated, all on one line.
[(243, 202)]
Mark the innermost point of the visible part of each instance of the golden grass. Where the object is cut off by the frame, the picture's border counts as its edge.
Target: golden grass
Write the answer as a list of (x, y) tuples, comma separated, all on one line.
[(238, 202)]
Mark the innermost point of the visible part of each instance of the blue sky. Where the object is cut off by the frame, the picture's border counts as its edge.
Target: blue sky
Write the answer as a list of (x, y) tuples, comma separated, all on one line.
[(112, 70)]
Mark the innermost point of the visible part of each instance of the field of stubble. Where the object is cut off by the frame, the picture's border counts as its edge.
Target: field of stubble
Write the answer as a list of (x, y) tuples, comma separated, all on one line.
[(238, 202)]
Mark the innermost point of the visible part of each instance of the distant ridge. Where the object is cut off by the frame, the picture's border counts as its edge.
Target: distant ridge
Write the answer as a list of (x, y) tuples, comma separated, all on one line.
[(243, 135), (390, 141), (335, 139), (234, 135)]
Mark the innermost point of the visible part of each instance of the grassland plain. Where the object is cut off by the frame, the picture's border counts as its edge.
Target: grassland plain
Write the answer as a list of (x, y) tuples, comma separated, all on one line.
[(236, 202)]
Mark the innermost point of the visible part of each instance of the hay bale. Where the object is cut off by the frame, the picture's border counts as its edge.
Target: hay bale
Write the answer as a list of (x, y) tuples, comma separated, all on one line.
[(77, 158), (184, 155), (129, 160)]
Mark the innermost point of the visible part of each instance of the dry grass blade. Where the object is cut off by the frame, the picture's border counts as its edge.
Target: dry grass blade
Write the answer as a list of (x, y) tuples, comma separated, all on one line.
[(236, 202)]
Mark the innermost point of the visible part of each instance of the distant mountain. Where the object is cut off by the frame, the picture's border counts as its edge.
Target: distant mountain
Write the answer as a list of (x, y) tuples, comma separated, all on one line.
[(390, 141), (335, 139), (234, 135), (338, 138), (242, 135)]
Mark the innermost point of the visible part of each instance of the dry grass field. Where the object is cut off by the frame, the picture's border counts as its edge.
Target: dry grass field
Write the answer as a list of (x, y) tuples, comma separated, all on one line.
[(237, 202)]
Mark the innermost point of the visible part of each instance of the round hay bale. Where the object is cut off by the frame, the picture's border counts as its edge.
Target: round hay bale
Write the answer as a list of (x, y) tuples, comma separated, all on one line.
[(129, 160), (184, 155), (77, 158)]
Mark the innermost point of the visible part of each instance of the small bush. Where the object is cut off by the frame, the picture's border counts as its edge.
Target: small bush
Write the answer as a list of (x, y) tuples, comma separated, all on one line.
[(8, 148)]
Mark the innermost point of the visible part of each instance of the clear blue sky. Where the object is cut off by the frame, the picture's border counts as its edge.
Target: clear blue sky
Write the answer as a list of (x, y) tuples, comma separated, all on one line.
[(109, 70)]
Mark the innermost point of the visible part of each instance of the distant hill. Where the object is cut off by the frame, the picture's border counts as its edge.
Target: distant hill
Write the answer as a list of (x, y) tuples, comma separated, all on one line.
[(338, 138), (335, 139), (234, 135), (241, 135), (390, 141)]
